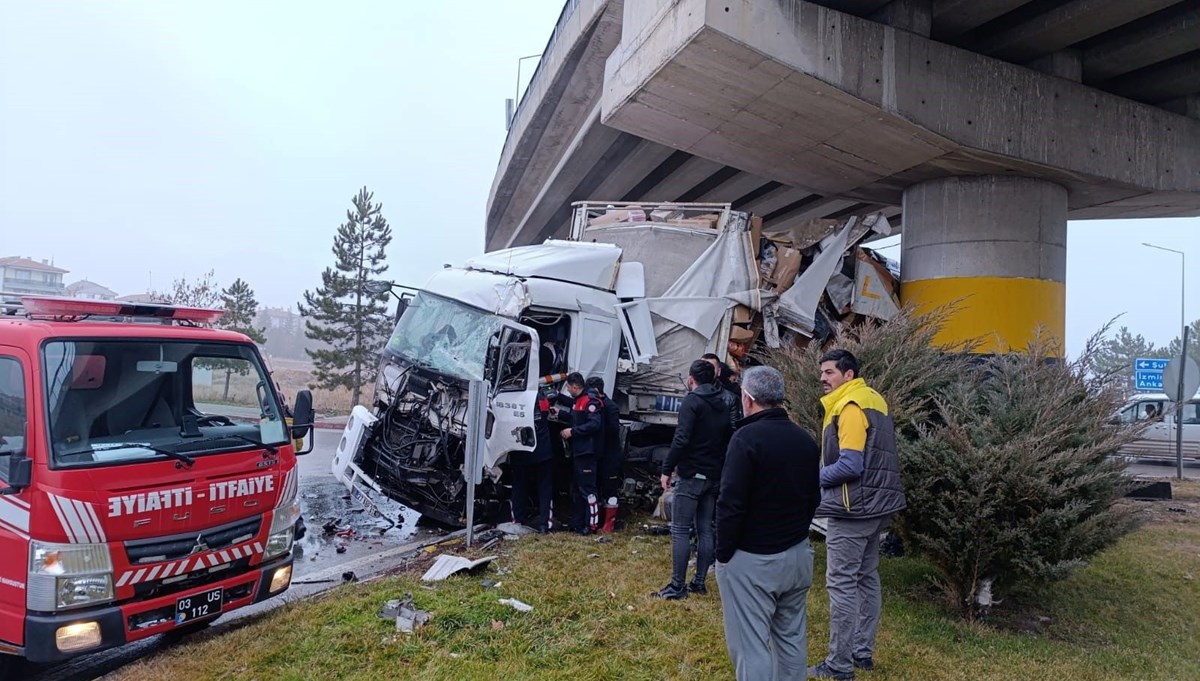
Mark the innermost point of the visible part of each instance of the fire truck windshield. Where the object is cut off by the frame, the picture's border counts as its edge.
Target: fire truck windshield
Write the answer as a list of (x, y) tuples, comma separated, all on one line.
[(119, 401)]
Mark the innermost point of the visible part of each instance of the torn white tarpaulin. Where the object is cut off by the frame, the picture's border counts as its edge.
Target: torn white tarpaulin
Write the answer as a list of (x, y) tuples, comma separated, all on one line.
[(725, 268), (446, 565), (798, 305), (666, 373), (702, 315)]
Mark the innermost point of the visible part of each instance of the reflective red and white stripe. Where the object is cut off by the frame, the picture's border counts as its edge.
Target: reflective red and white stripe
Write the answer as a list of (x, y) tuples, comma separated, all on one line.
[(78, 519), (14, 516), (189, 564)]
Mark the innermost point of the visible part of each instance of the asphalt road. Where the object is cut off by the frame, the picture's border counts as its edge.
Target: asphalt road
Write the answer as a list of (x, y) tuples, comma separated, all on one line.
[(368, 544), (1162, 469)]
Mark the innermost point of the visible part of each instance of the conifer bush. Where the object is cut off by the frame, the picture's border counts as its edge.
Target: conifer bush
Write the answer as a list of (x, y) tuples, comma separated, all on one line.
[(1006, 458)]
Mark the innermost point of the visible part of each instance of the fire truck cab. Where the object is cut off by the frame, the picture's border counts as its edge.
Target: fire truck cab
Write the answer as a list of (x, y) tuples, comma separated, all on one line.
[(148, 478)]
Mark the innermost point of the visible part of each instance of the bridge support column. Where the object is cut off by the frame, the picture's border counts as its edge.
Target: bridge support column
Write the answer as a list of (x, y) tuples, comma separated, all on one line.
[(996, 246)]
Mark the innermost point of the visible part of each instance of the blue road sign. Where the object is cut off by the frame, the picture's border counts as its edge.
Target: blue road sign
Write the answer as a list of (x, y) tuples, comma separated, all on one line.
[(1148, 373), (1148, 380)]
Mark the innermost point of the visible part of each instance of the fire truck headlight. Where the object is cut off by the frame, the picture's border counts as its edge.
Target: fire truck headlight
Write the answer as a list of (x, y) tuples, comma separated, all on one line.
[(68, 559), (283, 528), (281, 579), (64, 576), (279, 543), (84, 590), (79, 636)]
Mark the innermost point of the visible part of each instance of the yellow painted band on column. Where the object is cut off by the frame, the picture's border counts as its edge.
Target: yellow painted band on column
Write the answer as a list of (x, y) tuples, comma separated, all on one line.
[(1002, 313)]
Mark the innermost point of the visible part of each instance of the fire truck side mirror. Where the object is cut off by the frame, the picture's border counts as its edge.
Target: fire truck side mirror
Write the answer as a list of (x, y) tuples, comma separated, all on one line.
[(20, 474), (302, 414)]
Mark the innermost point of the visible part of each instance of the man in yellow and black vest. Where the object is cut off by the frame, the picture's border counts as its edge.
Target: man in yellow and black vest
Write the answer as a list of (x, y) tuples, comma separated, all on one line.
[(861, 490)]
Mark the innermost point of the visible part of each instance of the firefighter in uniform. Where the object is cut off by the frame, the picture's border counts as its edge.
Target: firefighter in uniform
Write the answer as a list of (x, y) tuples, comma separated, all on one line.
[(586, 436), (608, 472), (533, 471)]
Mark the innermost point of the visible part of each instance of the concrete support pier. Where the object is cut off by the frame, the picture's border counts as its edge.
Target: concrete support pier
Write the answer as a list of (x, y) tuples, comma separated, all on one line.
[(996, 245)]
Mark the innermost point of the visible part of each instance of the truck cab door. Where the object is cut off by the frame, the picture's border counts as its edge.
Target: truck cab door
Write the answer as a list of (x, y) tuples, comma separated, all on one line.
[(638, 330), (513, 383), (596, 341)]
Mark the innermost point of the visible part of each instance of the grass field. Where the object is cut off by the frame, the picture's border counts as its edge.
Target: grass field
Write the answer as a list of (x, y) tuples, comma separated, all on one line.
[(292, 377), (1134, 613)]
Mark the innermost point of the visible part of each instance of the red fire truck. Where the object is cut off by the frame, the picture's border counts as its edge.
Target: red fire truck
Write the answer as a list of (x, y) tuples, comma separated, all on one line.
[(148, 475)]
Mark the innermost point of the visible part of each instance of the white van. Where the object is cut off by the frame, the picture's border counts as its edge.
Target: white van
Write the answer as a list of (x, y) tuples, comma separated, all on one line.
[(1158, 440)]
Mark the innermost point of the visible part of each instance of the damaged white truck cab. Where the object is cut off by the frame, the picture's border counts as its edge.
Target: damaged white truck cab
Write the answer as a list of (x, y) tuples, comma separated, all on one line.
[(632, 298)]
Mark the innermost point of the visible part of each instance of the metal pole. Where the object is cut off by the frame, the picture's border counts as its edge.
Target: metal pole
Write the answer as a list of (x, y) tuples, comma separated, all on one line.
[(1183, 289), (1179, 407), (477, 395)]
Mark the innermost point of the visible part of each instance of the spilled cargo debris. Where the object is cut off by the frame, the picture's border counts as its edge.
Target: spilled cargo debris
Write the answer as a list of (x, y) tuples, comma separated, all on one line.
[(447, 565), (516, 605)]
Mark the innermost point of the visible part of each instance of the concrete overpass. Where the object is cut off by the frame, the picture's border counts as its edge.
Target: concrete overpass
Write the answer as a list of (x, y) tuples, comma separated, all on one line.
[(981, 125)]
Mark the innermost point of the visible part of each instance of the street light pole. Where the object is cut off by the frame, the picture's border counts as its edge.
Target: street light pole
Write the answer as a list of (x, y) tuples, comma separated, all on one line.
[(1183, 354), (517, 91), (1182, 280)]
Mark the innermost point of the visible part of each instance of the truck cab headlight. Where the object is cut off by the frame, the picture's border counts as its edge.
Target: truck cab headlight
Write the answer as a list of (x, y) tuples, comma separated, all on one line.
[(65, 576)]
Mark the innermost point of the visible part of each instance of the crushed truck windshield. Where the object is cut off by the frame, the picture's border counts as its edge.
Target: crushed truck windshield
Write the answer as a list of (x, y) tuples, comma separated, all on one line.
[(115, 401), (445, 336)]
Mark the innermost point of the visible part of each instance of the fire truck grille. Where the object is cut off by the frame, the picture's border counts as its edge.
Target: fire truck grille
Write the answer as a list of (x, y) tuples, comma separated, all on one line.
[(158, 549)]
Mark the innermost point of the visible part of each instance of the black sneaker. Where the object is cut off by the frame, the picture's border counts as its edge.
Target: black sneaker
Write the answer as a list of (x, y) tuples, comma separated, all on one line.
[(822, 671), (671, 592), (864, 663), (697, 588)]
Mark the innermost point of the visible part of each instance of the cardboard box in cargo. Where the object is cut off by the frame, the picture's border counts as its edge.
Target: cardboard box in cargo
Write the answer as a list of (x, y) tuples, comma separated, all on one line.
[(787, 268)]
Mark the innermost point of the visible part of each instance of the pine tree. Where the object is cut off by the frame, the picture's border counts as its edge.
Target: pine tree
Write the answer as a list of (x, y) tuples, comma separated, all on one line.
[(1172, 349), (1115, 356), (351, 322), (240, 311)]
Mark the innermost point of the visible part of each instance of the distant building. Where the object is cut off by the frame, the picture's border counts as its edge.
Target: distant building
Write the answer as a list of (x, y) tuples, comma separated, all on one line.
[(90, 290), (20, 275)]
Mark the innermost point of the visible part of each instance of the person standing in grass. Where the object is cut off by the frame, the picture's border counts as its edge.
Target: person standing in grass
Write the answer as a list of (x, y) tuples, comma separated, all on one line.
[(861, 490), (697, 456), (769, 492)]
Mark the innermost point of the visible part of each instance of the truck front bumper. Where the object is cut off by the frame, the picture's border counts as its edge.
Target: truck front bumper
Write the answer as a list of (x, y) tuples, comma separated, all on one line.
[(136, 620)]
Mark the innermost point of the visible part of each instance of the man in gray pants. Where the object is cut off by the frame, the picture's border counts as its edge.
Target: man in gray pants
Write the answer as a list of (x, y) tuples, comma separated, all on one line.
[(769, 491), (861, 490)]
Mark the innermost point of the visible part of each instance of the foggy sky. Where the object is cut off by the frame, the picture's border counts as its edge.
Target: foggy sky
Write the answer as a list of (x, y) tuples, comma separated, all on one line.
[(145, 140)]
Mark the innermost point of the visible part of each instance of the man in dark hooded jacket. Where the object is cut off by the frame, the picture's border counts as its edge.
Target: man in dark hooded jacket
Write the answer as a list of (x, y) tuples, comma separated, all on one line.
[(733, 394), (698, 455)]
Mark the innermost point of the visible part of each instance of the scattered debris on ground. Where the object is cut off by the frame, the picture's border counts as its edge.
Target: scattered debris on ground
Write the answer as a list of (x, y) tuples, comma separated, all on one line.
[(407, 616), (516, 605), (447, 565)]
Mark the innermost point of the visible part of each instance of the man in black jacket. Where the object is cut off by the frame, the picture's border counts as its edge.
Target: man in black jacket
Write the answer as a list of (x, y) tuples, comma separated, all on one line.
[(770, 489), (586, 436), (731, 394), (698, 452), (608, 472)]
